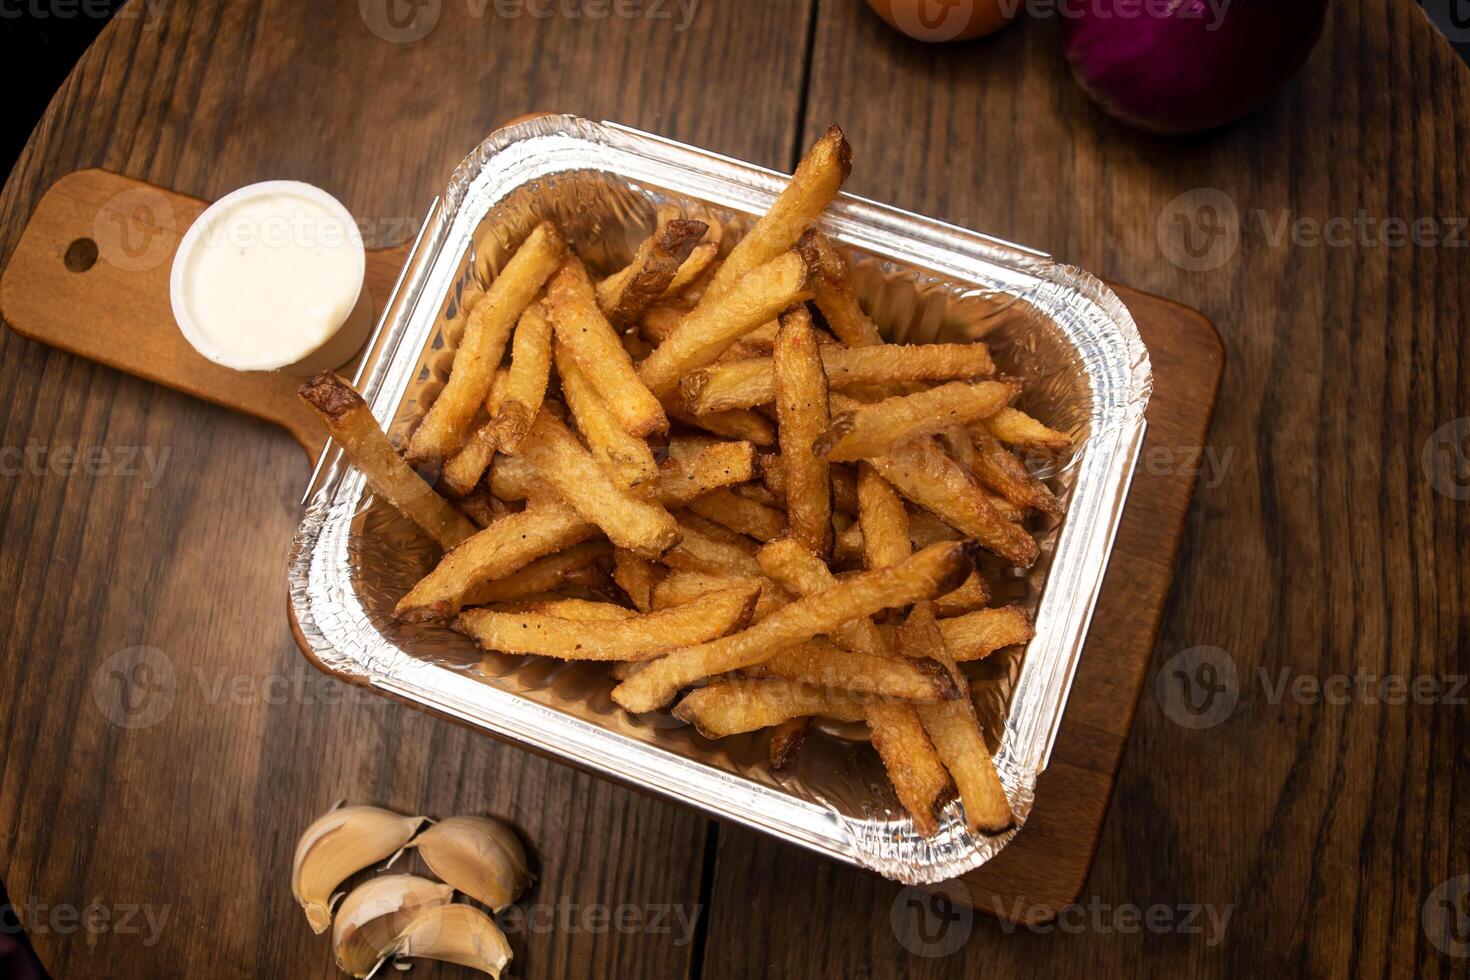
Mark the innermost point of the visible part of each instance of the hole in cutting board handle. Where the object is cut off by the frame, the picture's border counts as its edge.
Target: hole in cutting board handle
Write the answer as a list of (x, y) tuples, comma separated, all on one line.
[(81, 255)]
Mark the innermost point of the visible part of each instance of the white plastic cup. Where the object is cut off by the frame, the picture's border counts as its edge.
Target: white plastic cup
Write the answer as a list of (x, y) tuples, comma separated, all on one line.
[(270, 278)]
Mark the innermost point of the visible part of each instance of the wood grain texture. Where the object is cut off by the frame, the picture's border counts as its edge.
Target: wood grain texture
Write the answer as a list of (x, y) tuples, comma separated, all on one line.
[(1323, 548), (199, 811)]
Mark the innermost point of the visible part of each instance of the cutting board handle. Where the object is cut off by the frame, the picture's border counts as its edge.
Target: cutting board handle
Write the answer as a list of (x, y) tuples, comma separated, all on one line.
[(90, 275)]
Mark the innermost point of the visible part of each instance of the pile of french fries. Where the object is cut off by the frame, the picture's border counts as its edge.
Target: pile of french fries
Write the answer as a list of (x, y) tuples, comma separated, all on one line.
[(709, 470)]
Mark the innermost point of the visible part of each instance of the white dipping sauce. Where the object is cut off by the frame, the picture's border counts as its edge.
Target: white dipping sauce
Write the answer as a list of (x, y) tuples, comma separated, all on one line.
[(269, 276)]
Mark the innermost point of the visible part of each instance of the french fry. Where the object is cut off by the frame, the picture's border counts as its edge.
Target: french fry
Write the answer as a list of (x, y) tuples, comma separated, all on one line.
[(624, 295), (875, 428), (637, 577), (525, 384), (931, 572), (720, 464), (577, 610), (697, 264), (801, 418), (681, 586), (739, 514), (844, 484), (701, 549), (541, 575), (913, 766), (732, 707), (745, 384), (836, 300), (504, 547), (636, 638), (569, 470), (787, 739), (758, 493), (350, 423), (480, 506), (593, 343), (625, 456), (714, 325), (976, 635), (660, 321), (954, 730), (447, 423), (1000, 470), (972, 595), (830, 666), (883, 520), (738, 423), (790, 563), (920, 471), (462, 471), (817, 181), (1015, 428)]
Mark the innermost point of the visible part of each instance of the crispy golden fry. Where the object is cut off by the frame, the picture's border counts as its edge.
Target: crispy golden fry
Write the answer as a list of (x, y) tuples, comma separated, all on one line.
[(758, 493), (976, 635), (801, 418), (787, 739), (350, 423), (702, 549), (569, 470), (697, 264), (504, 547), (835, 298), (790, 563), (830, 666), (1000, 470), (924, 529), (744, 384), (636, 638), (624, 295), (872, 429), (714, 325), (957, 443), (638, 577), (480, 506), (680, 480), (735, 424), (844, 483), (625, 456), (955, 731), (540, 576), (882, 519), (1015, 428), (593, 343), (732, 707), (972, 595), (679, 587), (931, 572), (525, 385), (578, 610), (661, 320), (924, 474), (462, 471), (817, 181), (913, 766), (445, 427), (738, 514)]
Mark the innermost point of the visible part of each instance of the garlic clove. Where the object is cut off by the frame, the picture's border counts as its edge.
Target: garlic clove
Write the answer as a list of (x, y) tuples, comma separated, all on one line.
[(459, 934), (479, 856), (341, 843), (376, 913)]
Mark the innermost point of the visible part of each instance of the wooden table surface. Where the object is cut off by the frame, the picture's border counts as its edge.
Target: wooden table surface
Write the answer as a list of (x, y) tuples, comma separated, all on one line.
[(1271, 830)]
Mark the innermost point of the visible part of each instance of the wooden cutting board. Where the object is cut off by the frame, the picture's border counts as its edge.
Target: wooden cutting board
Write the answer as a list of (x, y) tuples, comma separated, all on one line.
[(90, 275)]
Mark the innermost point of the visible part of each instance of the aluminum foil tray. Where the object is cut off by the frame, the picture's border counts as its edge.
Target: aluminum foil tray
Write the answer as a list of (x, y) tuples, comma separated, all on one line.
[(1073, 341)]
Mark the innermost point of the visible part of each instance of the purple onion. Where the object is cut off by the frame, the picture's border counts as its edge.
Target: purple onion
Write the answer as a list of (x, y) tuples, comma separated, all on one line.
[(1179, 66)]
